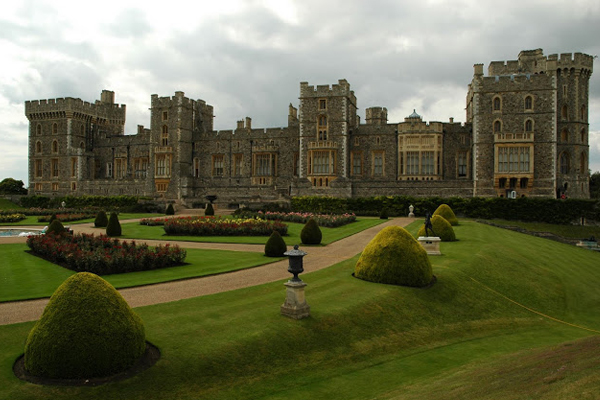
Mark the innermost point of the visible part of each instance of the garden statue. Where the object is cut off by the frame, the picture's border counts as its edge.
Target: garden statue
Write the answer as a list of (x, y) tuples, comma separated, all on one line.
[(411, 210), (428, 225)]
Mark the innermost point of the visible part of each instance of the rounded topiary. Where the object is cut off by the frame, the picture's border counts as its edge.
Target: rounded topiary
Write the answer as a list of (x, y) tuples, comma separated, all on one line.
[(209, 209), (275, 246), (445, 211), (441, 229), (87, 330), (101, 220), (394, 257), (311, 233), (170, 210), (114, 226), (52, 218), (56, 227), (383, 214)]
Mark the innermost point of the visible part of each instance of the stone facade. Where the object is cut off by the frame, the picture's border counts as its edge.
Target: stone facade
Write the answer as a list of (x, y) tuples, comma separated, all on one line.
[(526, 134)]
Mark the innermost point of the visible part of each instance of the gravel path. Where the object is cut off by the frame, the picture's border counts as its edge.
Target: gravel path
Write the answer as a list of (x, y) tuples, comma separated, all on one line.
[(317, 258)]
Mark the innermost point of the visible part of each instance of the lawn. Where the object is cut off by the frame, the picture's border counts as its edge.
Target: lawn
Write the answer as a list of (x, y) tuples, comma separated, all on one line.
[(25, 276), (508, 314), (567, 231), (9, 205), (134, 230)]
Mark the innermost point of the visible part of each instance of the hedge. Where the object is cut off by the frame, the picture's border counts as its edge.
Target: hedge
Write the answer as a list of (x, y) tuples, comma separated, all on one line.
[(79, 201)]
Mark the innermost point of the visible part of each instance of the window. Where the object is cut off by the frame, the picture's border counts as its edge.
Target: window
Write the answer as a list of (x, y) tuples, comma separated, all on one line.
[(82, 145), (121, 168), (238, 162), (38, 147), (164, 140), (38, 168), (502, 183), (38, 187), (55, 186), (529, 126), (217, 165), (427, 163), (165, 116), (54, 146), (73, 167), (564, 136), (497, 104), (528, 103), (109, 170), (583, 135), (356, 141), (412, 163), (321, 162), (54, 128), (296, 164), (161, 187), (54, 168), (497, 126), (356, 163), (462, 164), (564, 113), (73, 186), (513, 183), (38, 129), (377, 140), (140, 165), (378, 157), (163, 165), (196, 168), (523, 183), (513, 159), (583, 115), (322, 104), (322, 127), (583, 163)]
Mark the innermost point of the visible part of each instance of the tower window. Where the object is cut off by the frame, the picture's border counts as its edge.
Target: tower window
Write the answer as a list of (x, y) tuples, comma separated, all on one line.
[(529, 103), (322, 104), (497, 104), (38, 147), (497, 126), (564, 113), (165, 136), (165, 116), (322, 127), (529, 126), (38, 129), (54, 128), (54, 146), (565, 163)]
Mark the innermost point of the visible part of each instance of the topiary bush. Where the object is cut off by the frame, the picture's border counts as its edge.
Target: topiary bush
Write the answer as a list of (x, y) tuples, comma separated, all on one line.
[(311, 233), (170, 210), (101, 220), (441, 228), (445, 211), (383, 214), (114, 226), (275, 246), (87, 330), (209, 210), (56, 227), (52, 218), (394, 257)]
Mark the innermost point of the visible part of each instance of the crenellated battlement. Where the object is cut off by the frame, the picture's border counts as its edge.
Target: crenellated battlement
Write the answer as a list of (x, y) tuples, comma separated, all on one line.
[(73, 105), (520, 81), (571, 60), (178, 99), (342, 88), (534, 62)]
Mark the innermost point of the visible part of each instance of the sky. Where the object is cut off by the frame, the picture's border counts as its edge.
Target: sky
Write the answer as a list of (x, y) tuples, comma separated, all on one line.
[(248, 57)]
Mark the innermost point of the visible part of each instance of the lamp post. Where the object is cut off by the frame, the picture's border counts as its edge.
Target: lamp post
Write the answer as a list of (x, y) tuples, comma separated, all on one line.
[(295, 305)]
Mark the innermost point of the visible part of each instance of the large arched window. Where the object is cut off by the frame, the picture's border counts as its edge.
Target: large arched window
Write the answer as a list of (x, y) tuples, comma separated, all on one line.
[(528, 103), (165, 136), (529, 125), (565, 163), (497, 126), (583, 163), (497, 103)]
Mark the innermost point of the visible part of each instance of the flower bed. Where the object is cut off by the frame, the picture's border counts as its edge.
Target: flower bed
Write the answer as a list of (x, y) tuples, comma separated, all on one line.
[(329, 221), (157, 221), (66, 217), (201, 226), (103, 255), (12, 218)]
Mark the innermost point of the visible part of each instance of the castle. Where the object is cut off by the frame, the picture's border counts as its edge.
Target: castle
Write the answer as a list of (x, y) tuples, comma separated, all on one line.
[(526, 134)]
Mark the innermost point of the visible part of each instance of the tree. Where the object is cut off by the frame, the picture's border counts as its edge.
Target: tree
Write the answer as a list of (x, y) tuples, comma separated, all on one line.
[(12, 186), (595, 185)]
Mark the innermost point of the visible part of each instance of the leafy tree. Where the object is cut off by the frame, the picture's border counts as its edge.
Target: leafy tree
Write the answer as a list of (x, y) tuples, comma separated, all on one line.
[(595, 185), (12, 186)]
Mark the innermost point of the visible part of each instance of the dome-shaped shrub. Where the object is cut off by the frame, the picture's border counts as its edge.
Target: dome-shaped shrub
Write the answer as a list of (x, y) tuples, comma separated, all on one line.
[(383, 214), (114, 226), (445, 211), (394, 257), (311, 233), (52, 218), (56, 227), (101, 220), (441, 228), (170, 210), (87, 330), (209, 209), (275, 246)]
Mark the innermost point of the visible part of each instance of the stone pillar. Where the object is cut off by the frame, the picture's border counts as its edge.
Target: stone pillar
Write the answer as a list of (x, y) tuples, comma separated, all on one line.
[(431, 245), (295, 305)]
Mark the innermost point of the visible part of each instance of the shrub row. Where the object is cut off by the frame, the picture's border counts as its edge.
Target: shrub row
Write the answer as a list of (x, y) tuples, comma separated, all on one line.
[(103, 255), (198, 226), (554, 211), (16, 217), (79, 201), (327, 220), (66, 217)]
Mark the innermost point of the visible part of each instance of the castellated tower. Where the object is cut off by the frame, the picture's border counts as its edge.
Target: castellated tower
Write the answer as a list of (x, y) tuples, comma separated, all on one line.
[(62, 135), (327, 113), (530, 126)]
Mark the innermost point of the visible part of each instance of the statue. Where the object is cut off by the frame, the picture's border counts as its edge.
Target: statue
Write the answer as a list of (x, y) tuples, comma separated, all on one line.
[(428, 225), (411, 214)]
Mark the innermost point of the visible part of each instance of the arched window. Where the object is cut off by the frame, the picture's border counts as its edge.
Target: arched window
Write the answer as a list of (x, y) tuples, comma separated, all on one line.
[(564, 113), (497, 126), (38, 129), (564, 136), (38, 147), (322, 127), (583, 113), (54, 128), (583, 163), (377, 140), (54, 146), (165, 136), (529, 125), (529, 103), (582, 138), (497, 103), (82, 145), (565, 163)]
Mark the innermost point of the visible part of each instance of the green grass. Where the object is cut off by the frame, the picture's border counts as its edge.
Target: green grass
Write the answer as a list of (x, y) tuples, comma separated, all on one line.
[(25, 276), (9, 205), (134, 230), (567, 231), (32, 220), (467, 336)]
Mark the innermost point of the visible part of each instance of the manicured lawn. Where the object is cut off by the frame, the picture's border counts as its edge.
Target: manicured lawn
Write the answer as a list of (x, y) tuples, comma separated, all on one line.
[(32, 220), (467, 336), (567, 231), (25, 276), (136, 231)]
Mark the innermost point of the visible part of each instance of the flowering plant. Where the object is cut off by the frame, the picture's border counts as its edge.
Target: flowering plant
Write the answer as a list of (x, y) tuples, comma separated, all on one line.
[(326, 220), (66, 217), (211, 226), (12, 217)]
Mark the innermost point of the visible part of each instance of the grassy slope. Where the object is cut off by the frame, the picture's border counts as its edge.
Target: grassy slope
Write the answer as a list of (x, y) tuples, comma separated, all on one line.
[(330, 235), (25, 276), (366, 340), (9, 205)]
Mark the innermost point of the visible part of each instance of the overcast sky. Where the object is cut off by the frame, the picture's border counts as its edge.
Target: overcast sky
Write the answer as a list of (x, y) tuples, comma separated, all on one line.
[(247, 58)]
